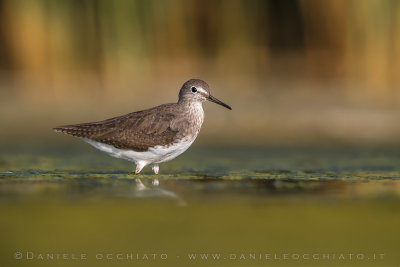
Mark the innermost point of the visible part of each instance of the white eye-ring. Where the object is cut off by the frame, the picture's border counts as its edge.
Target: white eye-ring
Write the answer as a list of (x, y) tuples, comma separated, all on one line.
[(194, 89)]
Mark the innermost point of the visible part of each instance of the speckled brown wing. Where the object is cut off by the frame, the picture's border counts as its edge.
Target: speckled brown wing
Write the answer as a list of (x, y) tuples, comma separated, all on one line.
[(135, 131)]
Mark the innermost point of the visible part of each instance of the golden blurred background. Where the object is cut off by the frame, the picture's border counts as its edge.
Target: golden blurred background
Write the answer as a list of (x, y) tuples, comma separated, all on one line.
[(296, 72)]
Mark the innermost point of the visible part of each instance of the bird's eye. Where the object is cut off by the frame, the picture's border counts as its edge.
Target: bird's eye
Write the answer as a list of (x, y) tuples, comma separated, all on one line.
[(194, 89)]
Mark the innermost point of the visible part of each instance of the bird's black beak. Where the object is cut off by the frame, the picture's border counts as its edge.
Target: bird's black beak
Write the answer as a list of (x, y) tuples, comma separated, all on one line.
[(213, 99)]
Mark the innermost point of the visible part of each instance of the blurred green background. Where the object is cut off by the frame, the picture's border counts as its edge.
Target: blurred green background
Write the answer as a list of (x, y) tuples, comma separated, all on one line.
[(305, 71)]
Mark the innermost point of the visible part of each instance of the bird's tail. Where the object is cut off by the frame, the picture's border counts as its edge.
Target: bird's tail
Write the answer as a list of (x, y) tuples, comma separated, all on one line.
[(79, 130)]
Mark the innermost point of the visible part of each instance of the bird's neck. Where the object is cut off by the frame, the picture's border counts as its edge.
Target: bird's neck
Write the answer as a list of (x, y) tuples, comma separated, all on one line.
[(193, 109), (187, 104)]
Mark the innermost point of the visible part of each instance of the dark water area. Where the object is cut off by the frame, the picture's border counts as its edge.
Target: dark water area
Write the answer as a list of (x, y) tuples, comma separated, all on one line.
[(241, 203)]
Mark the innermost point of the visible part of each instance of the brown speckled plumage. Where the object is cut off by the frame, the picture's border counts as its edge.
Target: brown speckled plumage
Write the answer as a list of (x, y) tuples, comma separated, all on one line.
[(135, 131)]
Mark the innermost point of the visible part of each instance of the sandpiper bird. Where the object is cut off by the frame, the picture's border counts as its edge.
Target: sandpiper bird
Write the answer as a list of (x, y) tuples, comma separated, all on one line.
[(152, 136)]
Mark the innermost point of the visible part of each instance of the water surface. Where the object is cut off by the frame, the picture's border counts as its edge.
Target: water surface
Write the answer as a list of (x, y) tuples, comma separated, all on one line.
[(233, 201)]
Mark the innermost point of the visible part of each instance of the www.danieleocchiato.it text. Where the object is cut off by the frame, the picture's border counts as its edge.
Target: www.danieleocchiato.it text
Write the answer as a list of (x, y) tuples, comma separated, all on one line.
[(121, 256)]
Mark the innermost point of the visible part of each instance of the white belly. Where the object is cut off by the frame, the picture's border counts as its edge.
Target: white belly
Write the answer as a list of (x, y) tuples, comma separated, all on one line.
[(157, 154)]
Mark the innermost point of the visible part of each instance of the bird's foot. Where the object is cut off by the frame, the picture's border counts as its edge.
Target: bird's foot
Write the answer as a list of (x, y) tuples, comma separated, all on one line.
[(139, 167)]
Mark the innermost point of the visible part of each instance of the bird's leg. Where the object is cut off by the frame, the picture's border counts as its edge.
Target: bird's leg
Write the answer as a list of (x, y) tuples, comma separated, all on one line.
[(155, 168), (139, 184), (139, 167)]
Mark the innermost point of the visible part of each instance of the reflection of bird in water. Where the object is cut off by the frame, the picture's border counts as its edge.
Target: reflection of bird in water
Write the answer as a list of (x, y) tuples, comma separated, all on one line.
[(151, 136), (140, 190)]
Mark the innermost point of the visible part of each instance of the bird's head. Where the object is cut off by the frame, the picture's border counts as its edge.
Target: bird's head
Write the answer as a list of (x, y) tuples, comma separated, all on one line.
[(196, 90)]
